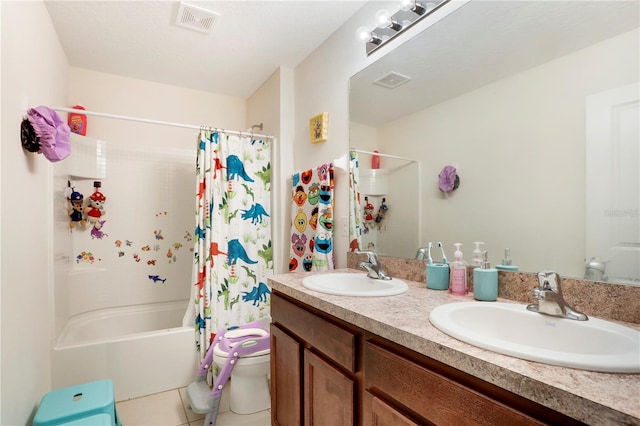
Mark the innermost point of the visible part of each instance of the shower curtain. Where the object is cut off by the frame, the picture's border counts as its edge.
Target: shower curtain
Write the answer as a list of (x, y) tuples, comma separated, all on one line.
[(233, 246)]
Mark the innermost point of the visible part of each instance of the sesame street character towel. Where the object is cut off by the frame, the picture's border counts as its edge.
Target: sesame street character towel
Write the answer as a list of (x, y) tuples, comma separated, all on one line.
[(312, 220)]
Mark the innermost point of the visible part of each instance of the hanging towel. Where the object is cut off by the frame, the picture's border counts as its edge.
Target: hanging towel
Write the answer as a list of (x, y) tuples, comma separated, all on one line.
[(312, 220)]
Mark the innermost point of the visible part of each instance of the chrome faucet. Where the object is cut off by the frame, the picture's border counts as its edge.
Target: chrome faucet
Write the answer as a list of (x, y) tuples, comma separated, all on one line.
[(550, 300), (373, 266)]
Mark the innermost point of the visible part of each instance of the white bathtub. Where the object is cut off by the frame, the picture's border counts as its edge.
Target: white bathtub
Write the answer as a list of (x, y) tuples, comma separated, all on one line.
[(144, 349)]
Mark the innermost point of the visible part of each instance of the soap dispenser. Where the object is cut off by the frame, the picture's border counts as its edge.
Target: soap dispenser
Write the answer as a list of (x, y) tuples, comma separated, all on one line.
[(458, 273), (476, 260), (506, 262), (485, 281)]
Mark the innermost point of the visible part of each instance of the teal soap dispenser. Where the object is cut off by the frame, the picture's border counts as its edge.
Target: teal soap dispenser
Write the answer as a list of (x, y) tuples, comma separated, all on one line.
[(485, 281), (506, 262)]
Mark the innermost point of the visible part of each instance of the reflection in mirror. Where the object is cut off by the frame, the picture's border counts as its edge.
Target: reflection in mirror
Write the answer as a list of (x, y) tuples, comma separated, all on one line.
[(536, 104), (384, 186)]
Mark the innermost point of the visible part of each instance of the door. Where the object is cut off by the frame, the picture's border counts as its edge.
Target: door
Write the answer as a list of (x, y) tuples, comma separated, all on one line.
[(613, 181)]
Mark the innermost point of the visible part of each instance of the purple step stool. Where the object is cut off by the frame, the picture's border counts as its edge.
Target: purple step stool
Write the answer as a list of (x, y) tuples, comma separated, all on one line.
[(68, 406)]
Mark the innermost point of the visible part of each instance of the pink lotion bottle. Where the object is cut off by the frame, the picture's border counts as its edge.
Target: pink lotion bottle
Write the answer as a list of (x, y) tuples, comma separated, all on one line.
[(458, 273)]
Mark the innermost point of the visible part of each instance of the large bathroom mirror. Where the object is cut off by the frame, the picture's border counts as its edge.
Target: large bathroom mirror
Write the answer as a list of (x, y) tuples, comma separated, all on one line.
[(536, 105)]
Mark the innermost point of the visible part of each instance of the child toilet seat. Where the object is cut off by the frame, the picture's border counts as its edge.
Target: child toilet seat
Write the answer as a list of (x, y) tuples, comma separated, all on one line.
[(242, 339), (245, 341)]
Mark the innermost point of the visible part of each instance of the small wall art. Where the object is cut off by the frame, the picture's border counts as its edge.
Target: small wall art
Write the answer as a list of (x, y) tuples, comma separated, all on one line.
[(319, 127)]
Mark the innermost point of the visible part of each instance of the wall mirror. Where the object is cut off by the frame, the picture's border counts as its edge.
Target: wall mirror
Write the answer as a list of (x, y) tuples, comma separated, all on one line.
[(536, 105)]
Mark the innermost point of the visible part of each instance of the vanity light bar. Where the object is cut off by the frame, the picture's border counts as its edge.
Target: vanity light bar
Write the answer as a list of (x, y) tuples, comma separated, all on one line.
[(391, 26)]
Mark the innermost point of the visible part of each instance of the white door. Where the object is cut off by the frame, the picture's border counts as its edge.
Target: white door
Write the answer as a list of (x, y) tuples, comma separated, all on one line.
[(613, 181)]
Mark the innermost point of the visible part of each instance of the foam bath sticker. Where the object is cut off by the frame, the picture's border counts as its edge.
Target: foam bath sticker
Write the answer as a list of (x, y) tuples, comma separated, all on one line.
[(136, 257), (158, 234), (177, 246), (118, 243), (187, 236), (171, 256), (97, 233), (156, 279), (151, 262), (161, 214), (85, 257)]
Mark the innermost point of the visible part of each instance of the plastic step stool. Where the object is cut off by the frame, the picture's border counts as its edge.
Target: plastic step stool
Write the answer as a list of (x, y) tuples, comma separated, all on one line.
[(65, 405), (97, 420)]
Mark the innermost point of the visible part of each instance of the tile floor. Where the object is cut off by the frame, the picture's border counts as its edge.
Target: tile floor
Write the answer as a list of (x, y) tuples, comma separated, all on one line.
[(170, 409)]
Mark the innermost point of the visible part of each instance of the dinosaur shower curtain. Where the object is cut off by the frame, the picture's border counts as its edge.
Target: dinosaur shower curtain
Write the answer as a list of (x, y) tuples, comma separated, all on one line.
[(355, 225), (233, 248)]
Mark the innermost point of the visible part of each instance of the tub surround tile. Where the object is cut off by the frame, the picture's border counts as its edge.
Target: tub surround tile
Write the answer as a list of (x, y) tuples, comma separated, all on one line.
[(404, 319)]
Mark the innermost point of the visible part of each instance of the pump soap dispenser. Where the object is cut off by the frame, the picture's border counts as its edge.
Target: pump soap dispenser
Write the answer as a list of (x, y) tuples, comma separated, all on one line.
[(506, 262), (485, 281), (476, 260), (458, 273)]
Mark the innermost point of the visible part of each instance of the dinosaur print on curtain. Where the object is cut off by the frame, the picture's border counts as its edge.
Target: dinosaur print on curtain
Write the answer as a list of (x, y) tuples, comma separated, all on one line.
[(355, 226), (233, 253)]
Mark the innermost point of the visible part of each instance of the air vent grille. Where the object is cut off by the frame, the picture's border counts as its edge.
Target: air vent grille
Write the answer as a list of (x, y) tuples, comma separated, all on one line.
[(196, 18), (392, 80)]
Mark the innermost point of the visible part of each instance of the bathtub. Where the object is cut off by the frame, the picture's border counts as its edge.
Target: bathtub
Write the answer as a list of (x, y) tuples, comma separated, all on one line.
[(144, 349)]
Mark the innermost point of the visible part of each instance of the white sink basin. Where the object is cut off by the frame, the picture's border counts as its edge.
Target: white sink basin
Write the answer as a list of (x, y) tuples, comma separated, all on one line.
[(353, 284), (511, 329)]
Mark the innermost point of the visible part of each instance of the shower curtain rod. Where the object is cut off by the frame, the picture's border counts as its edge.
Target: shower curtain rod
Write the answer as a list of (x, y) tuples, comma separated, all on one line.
[(359, 151), (163, 123)]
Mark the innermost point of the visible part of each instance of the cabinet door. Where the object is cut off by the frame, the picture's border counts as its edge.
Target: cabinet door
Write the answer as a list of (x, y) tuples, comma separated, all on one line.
[(376, 412), (285, 379), (439, 399), (328, 394)]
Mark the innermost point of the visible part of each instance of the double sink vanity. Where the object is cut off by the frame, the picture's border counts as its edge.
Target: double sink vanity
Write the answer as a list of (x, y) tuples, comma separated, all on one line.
[(343, 359)]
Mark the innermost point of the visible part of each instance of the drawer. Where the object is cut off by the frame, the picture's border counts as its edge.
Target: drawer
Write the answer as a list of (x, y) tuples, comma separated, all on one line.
[(436, 398), (335, 342)]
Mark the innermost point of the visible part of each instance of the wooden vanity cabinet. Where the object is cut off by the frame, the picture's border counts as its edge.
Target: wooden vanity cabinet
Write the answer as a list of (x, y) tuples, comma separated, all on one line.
[(314, 373), (328, 372)]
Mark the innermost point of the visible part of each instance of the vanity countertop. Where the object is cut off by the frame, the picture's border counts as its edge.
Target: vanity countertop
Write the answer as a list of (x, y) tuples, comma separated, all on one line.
[(593, 398)]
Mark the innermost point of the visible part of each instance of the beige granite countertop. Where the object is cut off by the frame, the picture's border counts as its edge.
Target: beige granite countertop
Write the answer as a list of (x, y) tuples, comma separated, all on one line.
[(593, 398)]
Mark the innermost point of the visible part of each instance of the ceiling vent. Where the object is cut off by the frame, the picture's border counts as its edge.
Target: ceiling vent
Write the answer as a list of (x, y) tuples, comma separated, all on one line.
[(196, 18), (392, 80)]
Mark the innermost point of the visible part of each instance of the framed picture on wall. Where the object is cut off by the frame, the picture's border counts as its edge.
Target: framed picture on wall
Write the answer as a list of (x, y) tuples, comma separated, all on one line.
[(319, 127)]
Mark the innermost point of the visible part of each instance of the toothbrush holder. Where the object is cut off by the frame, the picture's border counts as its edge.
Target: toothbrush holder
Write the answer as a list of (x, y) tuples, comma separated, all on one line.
[(438, 276)]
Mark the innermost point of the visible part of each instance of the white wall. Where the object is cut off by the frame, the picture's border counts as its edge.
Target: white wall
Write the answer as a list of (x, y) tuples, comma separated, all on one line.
[(138, 98), (266, 106), (149, 166), (34, 69), (516, 178), (322, 85)]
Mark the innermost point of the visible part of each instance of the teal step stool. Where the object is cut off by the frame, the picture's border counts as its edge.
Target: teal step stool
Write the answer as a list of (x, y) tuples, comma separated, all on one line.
[(89, 404)]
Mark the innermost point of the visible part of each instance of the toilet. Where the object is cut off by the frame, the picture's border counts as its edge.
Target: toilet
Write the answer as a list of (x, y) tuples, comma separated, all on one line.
[(249, 384)]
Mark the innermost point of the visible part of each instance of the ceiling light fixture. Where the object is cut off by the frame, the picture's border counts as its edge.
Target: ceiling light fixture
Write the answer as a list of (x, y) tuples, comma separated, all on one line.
[(388, 26)]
